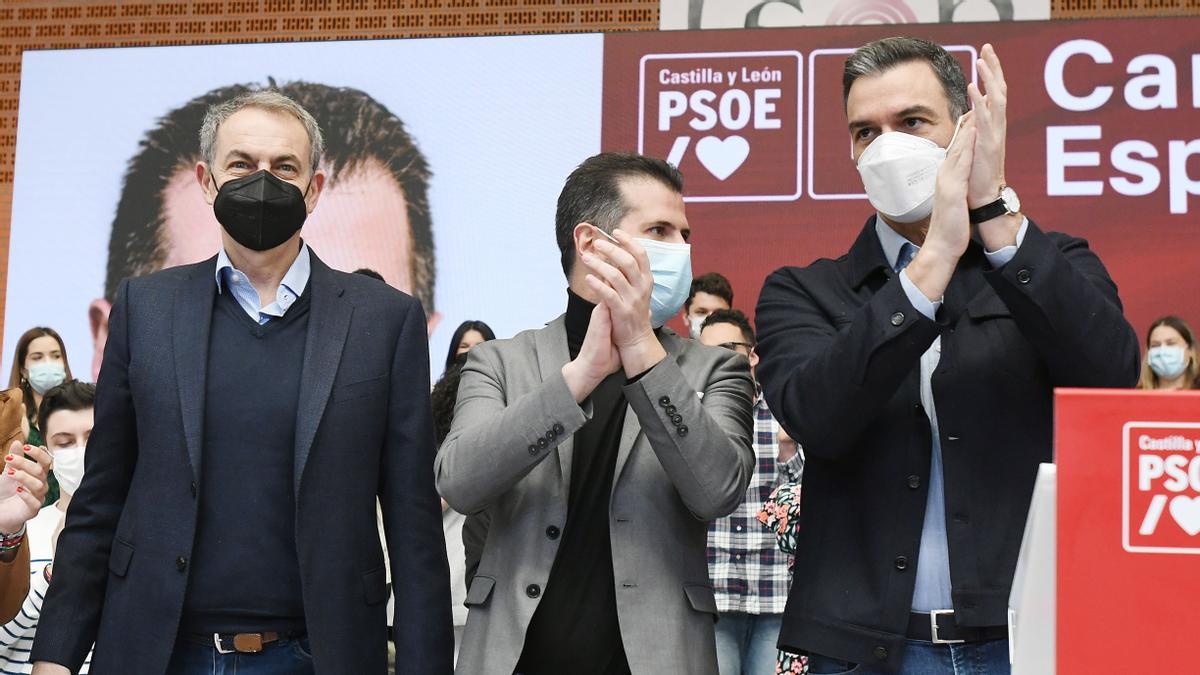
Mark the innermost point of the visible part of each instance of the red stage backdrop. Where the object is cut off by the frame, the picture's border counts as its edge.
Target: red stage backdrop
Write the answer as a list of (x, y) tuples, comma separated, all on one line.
[(1103, 141)]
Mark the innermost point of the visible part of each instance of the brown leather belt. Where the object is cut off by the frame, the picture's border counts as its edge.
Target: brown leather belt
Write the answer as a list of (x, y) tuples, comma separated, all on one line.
[(241, 643), (940, 628)]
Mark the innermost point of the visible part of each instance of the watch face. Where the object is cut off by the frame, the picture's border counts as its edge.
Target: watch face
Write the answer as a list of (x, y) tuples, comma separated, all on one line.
[(1011, 201)]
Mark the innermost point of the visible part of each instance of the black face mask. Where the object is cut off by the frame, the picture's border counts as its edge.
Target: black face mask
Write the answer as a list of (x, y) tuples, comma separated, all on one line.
[(260, 211)]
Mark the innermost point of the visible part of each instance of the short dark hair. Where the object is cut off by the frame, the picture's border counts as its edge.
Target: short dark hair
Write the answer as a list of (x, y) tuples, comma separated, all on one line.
[(592, 194), (470, 324), (356, 128), (70, 395), (733, 317), (368, 272), (882, 55), (712, 283)]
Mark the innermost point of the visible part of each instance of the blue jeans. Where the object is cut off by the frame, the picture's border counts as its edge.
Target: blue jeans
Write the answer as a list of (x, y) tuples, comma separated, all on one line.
[(926, 658), (286, 657), (746, 643)]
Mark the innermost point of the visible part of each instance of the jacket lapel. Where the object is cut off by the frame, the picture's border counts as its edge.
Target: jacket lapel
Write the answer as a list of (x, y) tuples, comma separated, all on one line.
[(191, 319), (552, 354), (328, 324)]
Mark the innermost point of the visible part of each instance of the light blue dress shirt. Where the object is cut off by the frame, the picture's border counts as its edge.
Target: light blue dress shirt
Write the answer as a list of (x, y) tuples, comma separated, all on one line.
[(933, 586), (289, 291)]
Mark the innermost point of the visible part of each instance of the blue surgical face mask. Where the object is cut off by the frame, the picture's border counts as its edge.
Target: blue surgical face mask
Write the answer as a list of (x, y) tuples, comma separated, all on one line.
[(1168, 362), (671, 265), (46, 375)]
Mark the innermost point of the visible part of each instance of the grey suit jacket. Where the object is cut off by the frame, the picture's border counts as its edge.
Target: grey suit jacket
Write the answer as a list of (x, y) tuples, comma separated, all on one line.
[(509, 453)]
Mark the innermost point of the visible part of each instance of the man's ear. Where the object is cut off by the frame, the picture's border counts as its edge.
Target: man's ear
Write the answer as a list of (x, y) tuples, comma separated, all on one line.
[(98, 313), (314, 190), (585, 238), (753, 358), (207, 183)]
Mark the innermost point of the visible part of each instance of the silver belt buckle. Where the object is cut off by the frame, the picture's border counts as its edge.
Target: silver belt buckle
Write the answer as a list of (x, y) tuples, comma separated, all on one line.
[(217, 644), (933, 627)]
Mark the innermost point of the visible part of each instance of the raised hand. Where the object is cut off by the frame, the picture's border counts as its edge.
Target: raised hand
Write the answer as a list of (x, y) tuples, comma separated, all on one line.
[(597, 358), (29, 475), (949, 227), (989, 111), (623, 282)]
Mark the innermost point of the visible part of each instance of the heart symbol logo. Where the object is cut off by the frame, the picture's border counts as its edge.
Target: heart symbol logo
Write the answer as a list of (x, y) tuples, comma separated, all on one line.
[(1186, 512), (722, 157)]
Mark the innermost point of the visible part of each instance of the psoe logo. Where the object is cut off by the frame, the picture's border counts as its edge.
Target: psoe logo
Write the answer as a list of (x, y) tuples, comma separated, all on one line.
[(729, 120), (1161, 487)]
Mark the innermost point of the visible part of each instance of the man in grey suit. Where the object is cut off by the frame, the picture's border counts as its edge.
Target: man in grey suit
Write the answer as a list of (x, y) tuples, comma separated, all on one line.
[(600, 445)]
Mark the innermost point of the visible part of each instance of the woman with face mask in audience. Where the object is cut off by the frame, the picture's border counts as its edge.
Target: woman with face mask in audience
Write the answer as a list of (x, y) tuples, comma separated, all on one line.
[(1170, 356), (66, 418), (40, 364)]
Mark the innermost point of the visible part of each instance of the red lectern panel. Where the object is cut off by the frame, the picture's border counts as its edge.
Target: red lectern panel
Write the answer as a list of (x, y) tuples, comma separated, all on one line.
[(1128, 531)]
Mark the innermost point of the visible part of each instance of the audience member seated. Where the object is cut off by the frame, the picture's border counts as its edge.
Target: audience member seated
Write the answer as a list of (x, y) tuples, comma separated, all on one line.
[(66, 419), (1170, 361)]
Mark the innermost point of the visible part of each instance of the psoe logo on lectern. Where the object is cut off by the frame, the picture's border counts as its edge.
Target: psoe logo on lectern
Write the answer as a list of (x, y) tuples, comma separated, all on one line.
[(1161, 487)]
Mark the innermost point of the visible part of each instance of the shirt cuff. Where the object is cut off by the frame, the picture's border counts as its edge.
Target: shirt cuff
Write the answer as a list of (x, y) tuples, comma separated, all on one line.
[(919, 302), (1002, 257)]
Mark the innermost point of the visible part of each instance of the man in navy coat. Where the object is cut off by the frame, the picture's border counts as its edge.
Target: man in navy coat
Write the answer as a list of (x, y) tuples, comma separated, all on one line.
[(250, 411)]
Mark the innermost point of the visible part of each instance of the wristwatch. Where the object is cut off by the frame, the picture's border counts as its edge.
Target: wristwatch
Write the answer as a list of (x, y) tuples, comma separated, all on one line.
[(1007, 203)]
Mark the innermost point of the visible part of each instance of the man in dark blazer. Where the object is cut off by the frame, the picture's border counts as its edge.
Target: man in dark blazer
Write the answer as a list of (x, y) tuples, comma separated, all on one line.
[(918, 371), (250, 410)]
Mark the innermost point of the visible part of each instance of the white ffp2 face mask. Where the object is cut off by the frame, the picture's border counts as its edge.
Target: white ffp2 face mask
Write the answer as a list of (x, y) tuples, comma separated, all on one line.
[(899, 173), (68, 468)]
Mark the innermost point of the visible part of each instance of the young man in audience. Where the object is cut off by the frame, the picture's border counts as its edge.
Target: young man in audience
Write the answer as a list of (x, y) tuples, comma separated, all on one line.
[(600, 446), (750, 574), (66, 418), (708, 293)]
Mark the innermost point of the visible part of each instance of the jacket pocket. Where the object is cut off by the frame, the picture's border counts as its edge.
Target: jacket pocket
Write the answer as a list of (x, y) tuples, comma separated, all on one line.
[(362, 388), (480, 590), (700, 597), (375, 588), (119, 557)]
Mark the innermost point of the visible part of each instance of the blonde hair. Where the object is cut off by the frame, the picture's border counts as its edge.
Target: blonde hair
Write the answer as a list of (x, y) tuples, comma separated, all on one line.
[(1149, 378)]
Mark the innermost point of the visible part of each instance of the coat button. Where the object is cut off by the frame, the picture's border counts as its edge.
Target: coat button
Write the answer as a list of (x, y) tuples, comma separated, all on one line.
[(670, 410), (897, 318), (181, 563), (533, 590), (664, 401), (676, 419), (901, 562), (558, 429), (880, 653), (914, 482), (553, 532), (682, 430), (1024, 276), (533, 449), (542, 443), (551, 434)]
